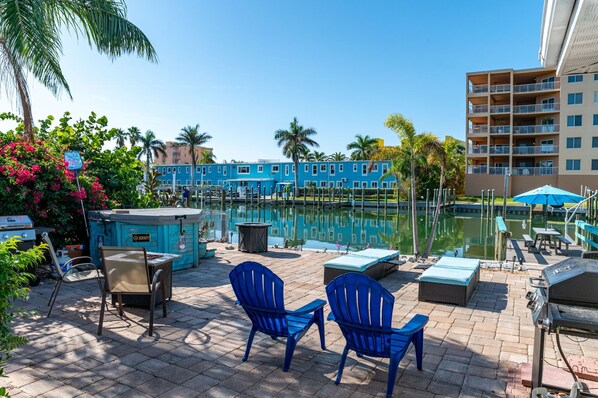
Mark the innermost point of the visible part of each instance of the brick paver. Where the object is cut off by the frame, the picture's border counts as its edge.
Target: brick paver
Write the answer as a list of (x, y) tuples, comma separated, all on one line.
[(196, 351)]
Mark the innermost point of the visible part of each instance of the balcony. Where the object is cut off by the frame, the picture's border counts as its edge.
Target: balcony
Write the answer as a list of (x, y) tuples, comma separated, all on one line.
[(534, 171), (477, 169), (536, 108), (499, 150), (478, 129), (536, 150), (537, 87), (478, 109), (537, 129), (500, 129), (478, 150), (500, 88), (497, 170), (500, 109), (478, 89)]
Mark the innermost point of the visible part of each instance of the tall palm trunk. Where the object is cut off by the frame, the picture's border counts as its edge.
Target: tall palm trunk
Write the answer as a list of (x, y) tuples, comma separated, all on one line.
[(147, 167), (193, 167), (296, 190), (436, 214), (414, 207)]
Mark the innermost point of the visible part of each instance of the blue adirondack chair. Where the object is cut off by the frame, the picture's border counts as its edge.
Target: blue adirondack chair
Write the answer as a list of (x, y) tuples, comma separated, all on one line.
[(363, 310), (260, 292)]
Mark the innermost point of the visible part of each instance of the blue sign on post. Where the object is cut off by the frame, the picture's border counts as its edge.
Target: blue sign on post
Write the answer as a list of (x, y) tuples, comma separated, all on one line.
[(73, 160)]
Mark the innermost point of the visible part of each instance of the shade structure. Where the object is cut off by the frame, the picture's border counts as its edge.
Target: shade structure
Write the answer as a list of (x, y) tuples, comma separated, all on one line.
[(548, 195)]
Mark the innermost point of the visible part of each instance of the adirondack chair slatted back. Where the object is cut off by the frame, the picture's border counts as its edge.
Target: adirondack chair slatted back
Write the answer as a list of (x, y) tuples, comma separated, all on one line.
[(363, 310), (260, 293)]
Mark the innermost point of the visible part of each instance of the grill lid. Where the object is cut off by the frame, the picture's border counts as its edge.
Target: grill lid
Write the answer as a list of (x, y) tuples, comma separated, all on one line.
[(573, 281), (15, 222)]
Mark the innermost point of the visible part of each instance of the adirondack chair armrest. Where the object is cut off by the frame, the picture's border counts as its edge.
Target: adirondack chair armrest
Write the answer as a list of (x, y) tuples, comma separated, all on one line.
[(416, 324), (331, 317), (311, 307)]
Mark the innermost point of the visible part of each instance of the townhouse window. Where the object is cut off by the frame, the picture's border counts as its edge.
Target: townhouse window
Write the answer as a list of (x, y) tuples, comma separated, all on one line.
[(364, 184), (275, 168), (209, 169), (573, 164), (260, 169), (375, 168), (219, 169), (374, 184), (323, 184), (384, 168), (594, 142), (186, 169), (178, 170), (384, 184), (575, 78), (243, 170), (186, 182), (340, 168), (573, 142), (307, 168), (574, 98), (203, 170), (354, 168), (594, 164), (314, 170), (574, 120), (595, 121), (168, 170), (355, 184), (332, 170), (198, 169), (364, 169), (323, 168)]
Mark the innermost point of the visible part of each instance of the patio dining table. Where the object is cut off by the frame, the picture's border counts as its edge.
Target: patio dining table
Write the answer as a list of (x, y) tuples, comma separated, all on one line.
[(544, 236)]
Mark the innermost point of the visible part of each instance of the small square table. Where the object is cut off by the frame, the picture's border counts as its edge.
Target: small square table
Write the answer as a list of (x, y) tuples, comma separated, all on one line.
[(544, 235)]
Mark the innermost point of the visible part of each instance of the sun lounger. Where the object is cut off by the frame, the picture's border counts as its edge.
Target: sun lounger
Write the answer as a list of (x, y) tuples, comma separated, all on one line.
[(451, 280), (370, 266), (384, 255)]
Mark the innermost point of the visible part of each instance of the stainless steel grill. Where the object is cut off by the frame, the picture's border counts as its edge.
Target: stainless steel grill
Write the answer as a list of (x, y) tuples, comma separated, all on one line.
[(19, 226)]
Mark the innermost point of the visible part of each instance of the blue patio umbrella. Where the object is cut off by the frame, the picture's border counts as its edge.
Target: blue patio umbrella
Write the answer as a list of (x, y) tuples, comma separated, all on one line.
[(548, 195)]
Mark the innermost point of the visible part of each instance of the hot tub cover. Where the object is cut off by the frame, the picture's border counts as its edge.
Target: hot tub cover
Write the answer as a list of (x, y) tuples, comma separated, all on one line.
[(160, 216)]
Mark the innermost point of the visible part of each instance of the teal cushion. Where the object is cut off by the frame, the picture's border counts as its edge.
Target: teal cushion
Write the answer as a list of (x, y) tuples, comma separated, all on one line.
[(459, 263), (447, 276), (352, 262), (380, 254)]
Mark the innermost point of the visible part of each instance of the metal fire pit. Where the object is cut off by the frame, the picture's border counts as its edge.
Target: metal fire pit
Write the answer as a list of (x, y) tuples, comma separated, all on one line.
[(253, 237)]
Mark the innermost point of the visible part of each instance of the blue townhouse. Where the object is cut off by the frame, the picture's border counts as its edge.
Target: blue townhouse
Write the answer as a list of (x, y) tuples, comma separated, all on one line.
[(270, 176)]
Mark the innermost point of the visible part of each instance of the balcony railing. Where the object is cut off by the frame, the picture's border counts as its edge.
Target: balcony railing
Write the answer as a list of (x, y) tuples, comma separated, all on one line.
[(500, 109), (477, 169), (500, 129), (536, 108), (534, 87), (536, 150), (499, 150), (536, 129), (478, 129), (478, 88), (534, 171), (497, 170), (478, 109), (500, 88), (478, 150)]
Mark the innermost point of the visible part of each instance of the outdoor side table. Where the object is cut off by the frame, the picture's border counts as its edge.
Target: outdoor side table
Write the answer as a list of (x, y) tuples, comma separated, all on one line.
[(253, 237)]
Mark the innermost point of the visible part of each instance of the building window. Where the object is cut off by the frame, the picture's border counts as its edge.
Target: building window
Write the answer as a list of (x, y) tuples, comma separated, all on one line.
[(574, 120), (168, 170), (224, 171), (364, 184), (293, 168), (594, 142), (332, 170), (323, 168), (384, 168), (340, 168), (306, 168), (187, 170), (595, 120), (575, 78), (364, 169), (209, 169), (219, 169), (573, 164), (355, 184), (339, 184), (375, 168), (573, 142), (595, 76), (243, 169), (275, 168), (314, 170), (260, 169), (197, 169), (286, 169), (197, 182), (574, 98), (384, 184), (594, 164), (323, 184), (354, 168), (596, 97), (178, 170), (186, 182), (203, 170), (374, 184)]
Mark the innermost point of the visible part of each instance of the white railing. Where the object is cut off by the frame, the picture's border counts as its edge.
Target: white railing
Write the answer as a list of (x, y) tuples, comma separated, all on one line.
[(500, 129), (534, 171), (478, 150), (534, 87), (500, 88), (499, 150), (536, 129), (536, 108), (500, 109), (478, 109), (536, 150), (478, 88), (477, 169), (478, 129)]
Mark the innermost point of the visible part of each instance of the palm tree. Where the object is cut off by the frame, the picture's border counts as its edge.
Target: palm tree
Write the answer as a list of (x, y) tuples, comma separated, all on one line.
[(121, 137), (455, 163), (31, 41), (406, 132), (151, 147), (399, 167), (363, 147), (319, 156), (134, 135), (337, 157), (294, 142), (207, 157), (306, 156), (192, 138)]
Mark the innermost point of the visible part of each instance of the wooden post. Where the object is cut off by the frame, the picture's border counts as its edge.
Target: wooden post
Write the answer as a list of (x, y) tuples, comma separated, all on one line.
[(427, 200), (362, 197), (482, 200), (251, 197), (385, 199), (377, 198)]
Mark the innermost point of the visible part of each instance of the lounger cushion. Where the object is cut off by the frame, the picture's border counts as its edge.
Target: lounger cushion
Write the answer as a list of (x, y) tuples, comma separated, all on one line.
[(458, 263), (352, 262), (380, 254), (447, 276)]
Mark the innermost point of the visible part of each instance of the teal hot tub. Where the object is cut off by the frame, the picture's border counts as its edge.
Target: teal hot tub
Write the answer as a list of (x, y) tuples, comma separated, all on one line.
[(163, 230)]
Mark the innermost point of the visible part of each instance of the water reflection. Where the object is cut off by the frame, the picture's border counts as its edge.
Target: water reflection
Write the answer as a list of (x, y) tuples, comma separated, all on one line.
[(469, 234)]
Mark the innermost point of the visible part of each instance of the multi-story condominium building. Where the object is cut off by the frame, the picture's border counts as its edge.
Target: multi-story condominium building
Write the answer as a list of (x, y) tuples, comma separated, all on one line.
[(533, 128), (177, 153), (266, 176)]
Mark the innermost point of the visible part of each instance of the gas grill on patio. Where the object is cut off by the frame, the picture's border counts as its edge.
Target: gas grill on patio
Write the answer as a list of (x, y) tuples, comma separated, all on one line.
[(19, 226), (565, 302)]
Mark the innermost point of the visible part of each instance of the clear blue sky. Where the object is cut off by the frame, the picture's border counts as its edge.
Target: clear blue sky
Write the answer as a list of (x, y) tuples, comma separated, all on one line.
[(242, 69)]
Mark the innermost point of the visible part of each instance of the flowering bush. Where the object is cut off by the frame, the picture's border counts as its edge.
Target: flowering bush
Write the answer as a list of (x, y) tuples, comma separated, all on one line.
[(34, 180)]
